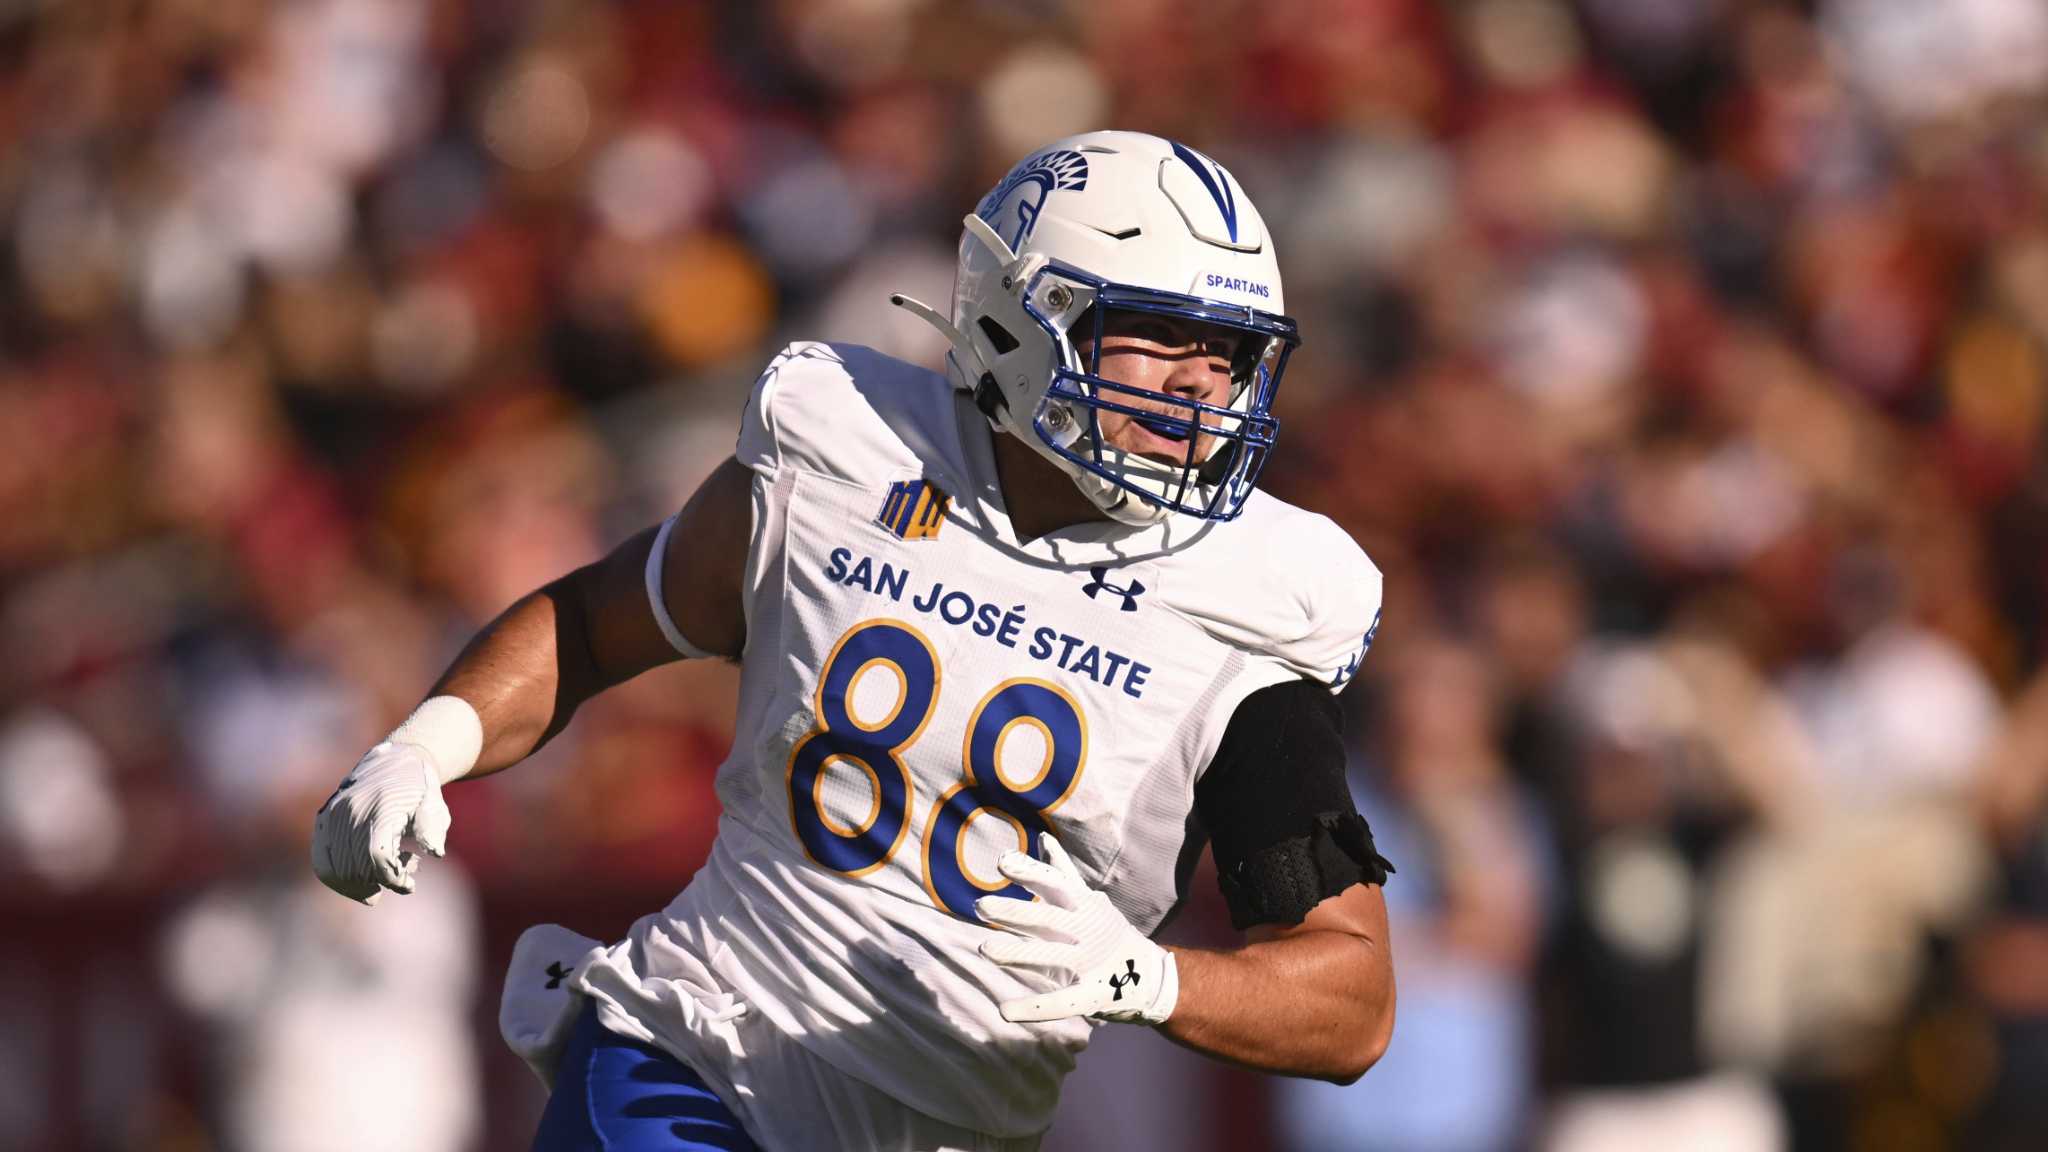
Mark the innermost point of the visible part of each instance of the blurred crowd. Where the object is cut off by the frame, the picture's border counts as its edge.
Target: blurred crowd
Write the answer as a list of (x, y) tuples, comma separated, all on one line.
[(1681, 362)]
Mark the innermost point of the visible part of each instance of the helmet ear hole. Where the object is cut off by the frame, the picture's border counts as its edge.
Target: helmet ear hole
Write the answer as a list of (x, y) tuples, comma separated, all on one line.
[(998, 336)]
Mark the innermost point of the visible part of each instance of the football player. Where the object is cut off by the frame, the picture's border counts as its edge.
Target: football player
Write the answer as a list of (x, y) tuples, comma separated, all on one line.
[(1015, 641)]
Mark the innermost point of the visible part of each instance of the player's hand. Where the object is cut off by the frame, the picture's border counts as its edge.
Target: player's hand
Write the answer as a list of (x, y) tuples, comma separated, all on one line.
[(393, 791), (1073, 933)]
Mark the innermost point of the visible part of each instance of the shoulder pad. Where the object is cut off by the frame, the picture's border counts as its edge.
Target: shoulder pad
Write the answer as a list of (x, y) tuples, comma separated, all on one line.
[(839, 409), (1319, 600)]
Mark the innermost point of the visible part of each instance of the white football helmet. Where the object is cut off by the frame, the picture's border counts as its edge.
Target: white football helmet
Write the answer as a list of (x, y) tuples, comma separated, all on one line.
[(1109, 222)]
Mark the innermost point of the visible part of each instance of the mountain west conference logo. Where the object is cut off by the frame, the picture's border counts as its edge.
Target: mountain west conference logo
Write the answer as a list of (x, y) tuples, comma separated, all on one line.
[(1012, 208), (914, 510)]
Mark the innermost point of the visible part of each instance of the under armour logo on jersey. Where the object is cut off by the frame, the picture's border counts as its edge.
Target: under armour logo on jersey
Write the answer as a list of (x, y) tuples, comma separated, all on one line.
[(1130, 592), (1129, 977), (914, 510), (558, 973)]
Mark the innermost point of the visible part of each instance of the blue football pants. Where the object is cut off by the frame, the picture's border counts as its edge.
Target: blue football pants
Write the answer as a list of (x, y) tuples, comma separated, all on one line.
[(618, 1095)]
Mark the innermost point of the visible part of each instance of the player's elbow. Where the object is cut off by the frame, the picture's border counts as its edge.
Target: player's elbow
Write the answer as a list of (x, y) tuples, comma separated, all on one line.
[(1369, 1040), (1367, 1053), (1355, 1062)]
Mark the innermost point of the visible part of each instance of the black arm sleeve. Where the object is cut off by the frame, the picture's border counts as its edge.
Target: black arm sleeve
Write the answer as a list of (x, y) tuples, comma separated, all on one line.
[(1278, 808)]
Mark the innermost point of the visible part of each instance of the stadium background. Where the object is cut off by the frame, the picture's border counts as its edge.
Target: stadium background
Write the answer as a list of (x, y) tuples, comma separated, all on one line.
[(1680, 362)]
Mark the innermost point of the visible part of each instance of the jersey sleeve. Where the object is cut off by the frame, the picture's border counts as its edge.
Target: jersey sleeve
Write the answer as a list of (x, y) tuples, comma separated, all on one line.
[(839, 410), (1301, 602), (760, 444), (1330, 602)]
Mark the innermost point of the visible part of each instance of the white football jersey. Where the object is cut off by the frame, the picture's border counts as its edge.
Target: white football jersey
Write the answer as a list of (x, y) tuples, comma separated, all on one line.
[(921, 691)]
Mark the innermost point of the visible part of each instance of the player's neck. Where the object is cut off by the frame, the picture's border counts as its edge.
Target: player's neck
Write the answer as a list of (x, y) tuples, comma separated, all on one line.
[(1037, 495)]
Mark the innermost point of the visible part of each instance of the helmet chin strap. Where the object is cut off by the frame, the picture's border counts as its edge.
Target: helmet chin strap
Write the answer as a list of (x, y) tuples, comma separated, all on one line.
[(1129, 508)]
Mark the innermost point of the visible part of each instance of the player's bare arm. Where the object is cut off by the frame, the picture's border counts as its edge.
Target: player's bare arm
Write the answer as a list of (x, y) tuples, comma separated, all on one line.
[(528, 671), (1311, 992), (1310, 999), (522, 678)]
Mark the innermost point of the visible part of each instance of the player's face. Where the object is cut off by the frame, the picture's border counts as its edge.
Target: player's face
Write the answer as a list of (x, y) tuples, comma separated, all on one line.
[(1164, 356)]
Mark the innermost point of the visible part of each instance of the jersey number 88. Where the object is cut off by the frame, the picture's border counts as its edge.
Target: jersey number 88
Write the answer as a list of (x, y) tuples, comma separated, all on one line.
[(877, 749)]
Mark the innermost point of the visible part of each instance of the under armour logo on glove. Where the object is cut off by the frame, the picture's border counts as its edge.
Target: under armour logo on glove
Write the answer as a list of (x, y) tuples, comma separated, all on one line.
[(1130, 977), (1130, 592), (557, 973), (1071, 933)]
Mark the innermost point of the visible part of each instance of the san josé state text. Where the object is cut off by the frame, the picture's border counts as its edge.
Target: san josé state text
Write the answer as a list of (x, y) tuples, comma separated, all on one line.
[(1007, 627)]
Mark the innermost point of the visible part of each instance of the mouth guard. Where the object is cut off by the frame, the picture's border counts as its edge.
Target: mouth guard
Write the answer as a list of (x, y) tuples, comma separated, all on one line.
[(1171, 429)]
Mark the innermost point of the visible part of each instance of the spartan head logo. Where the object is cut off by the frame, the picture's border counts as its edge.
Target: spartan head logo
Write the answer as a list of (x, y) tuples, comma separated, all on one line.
[(1012, 207)]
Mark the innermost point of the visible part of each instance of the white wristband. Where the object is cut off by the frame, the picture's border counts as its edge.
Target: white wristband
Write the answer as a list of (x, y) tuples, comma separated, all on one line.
[(449, 731), (1169, 991)]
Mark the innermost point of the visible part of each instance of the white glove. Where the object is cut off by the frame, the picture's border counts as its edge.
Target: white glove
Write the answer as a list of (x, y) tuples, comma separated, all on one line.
[(393, 791), (1073, 933)]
